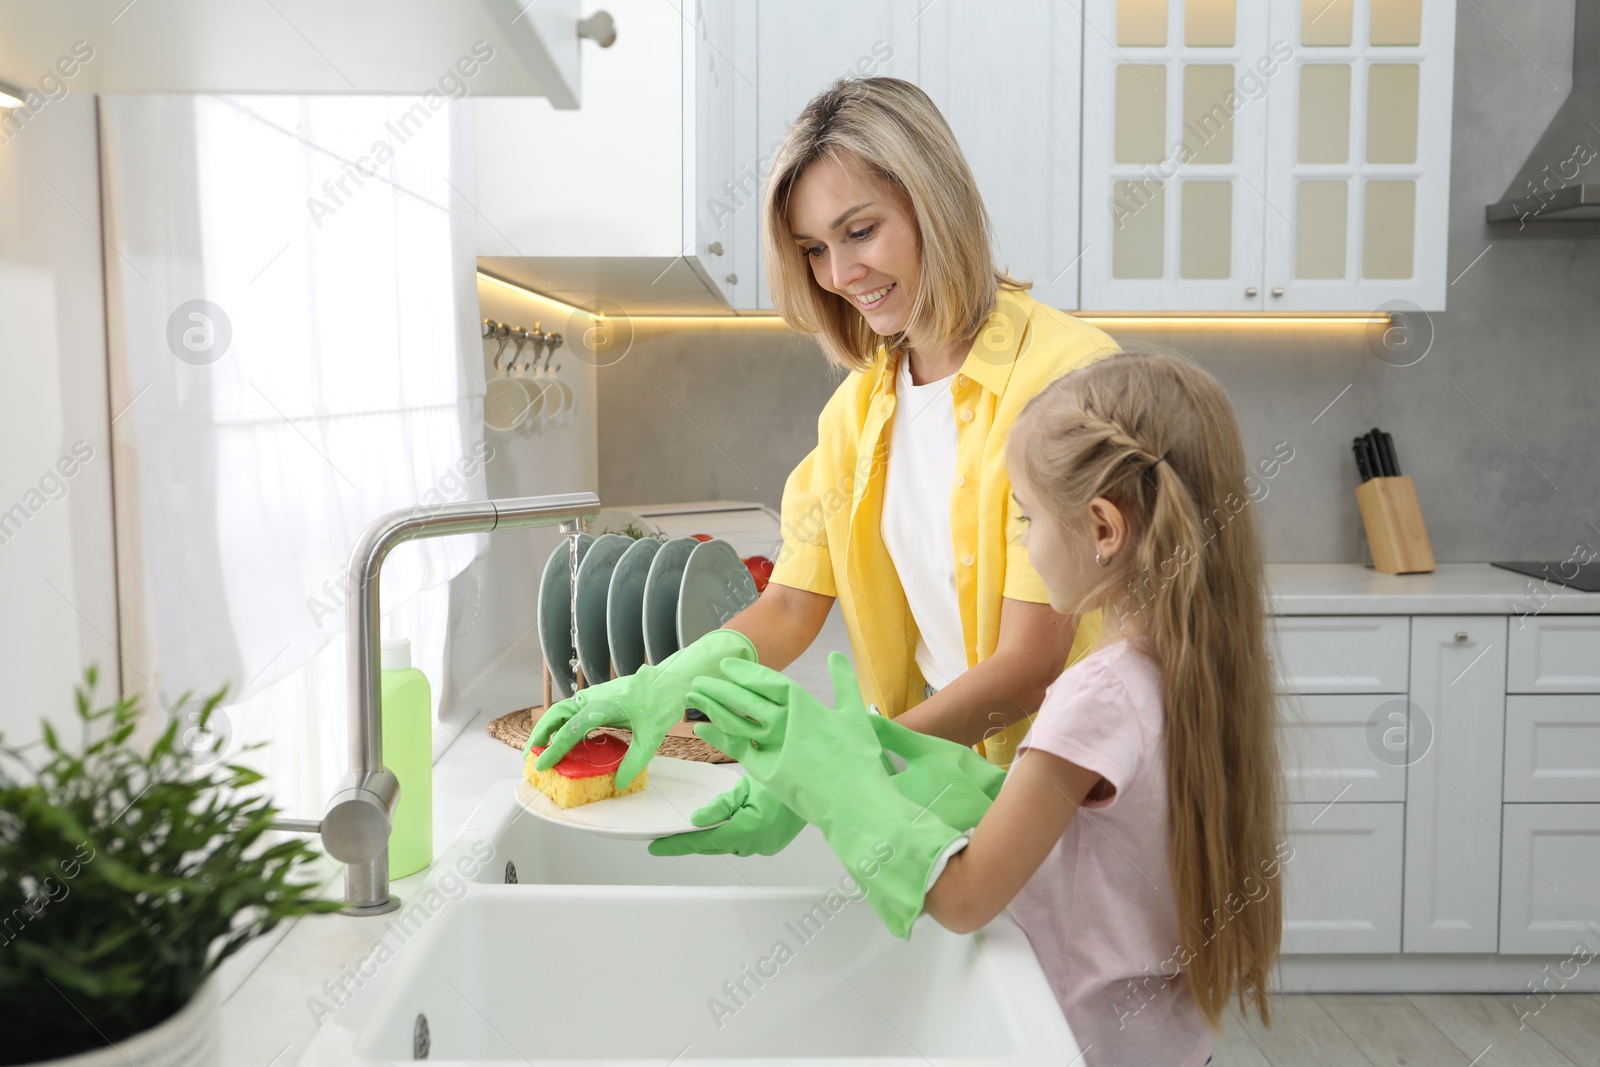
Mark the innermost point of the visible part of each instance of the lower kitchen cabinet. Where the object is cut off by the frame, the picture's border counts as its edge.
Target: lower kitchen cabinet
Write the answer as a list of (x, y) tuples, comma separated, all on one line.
[(1553, 749), (1342, 653), (1442, 779), (1555, 654), (1458, 697), (1550, 878), (1442, 791), (1328, 747), (1341, 886)]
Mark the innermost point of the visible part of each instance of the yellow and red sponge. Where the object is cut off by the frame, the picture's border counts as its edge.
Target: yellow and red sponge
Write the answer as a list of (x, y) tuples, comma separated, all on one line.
[(585, 774)]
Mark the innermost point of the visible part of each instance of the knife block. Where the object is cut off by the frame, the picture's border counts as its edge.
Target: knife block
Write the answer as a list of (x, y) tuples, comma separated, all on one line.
[(1395, 530)]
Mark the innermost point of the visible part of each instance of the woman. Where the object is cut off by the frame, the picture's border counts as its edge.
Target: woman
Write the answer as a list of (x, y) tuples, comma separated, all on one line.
[(877, 243)]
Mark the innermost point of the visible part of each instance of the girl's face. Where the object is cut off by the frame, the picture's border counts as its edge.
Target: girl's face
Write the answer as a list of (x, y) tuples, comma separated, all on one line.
[(859, 233), (1065, 558)]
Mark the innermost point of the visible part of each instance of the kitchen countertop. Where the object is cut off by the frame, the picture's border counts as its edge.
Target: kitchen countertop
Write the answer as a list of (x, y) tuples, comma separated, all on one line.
[(1452, 589), (276, 990)]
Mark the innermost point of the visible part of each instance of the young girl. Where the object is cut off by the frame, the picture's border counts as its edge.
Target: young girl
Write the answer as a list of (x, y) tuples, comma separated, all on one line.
[(1137, 836)]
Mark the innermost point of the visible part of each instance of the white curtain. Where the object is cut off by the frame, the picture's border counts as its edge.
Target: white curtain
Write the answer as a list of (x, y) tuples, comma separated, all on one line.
[(293, 314)]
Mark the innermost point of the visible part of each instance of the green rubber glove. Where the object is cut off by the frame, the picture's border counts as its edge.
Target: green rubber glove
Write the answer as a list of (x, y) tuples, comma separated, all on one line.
[(759, 824), (828, 766), (648, 702), (950, 779)]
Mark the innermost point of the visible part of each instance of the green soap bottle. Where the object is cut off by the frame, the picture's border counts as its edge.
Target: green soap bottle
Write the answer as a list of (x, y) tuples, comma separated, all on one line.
[(408, 752)]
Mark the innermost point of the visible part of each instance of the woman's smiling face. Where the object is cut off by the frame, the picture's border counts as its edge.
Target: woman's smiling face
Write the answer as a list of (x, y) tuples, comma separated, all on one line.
[(859, 233)]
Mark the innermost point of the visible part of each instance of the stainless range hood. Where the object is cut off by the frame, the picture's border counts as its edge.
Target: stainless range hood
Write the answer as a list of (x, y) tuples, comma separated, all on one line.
[(1560, 182)]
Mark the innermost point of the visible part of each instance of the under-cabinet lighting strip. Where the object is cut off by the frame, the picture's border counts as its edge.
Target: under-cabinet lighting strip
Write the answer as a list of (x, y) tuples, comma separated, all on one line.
[(1152, 318)]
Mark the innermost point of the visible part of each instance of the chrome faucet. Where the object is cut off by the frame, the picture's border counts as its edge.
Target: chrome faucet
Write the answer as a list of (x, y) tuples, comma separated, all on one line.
[(355, 825)]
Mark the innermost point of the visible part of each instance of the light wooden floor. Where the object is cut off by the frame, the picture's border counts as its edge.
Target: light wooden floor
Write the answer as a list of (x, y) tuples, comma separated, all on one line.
[(1416, 1030)]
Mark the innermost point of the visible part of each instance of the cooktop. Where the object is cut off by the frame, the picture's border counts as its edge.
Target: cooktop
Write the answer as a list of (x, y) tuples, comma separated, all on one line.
[(1584, 577)]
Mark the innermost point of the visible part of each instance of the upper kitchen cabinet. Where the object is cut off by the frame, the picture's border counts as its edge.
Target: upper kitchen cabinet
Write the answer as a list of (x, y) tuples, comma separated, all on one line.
[(400, 47), (1358, 170), (800, 49), (1008, 81), (712, 83), (625, 205), (1174, 149), (1293, 156)]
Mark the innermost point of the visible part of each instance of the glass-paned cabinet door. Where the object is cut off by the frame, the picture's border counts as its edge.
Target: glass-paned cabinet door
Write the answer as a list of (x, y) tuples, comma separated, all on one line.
[(1358, 168), (1174, 141)]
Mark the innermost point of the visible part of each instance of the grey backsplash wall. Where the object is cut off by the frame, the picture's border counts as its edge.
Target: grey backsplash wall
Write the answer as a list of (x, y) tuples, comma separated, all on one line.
[(1497, 426)]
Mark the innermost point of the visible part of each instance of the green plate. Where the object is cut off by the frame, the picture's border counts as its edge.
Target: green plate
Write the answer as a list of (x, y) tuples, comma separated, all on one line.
[(625, 605), (555, 613)]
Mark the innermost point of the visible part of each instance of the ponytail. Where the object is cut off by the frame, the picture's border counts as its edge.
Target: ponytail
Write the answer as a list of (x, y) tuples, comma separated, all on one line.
[(1155, 434)]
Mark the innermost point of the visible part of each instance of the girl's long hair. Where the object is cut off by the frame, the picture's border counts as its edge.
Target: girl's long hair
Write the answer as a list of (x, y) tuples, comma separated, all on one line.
[(894, 128), (1191, 578)]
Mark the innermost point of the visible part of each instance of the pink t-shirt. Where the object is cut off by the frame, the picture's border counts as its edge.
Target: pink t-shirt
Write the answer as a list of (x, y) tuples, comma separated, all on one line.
[(1100, 910)]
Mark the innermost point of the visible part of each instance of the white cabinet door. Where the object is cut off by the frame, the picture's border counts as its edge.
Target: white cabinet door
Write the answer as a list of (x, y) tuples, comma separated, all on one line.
[(1555, 654), (302, 47), (1174, 143), (802, 48), (1342, 653), (710, 80), (1553, 749), (1458, 675), (1358, 166), (1341, 885), (1345, 748), (742, 188), (1550, 877), (604, 181), (614, 207), (1007, 79)]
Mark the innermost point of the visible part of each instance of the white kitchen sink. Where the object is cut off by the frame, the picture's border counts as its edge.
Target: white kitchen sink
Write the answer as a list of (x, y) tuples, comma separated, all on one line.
[(603, 954)]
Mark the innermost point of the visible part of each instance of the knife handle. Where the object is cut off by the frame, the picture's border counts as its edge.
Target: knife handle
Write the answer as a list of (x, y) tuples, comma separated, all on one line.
[(1361, 459), (1374, 460), (1386, 446)]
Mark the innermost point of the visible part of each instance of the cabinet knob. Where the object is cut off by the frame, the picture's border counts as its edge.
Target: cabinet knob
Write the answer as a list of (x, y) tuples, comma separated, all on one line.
[(600, 28), (732, 279), (1461, 635), (715, 248), (1277, 292), (1252, 291)]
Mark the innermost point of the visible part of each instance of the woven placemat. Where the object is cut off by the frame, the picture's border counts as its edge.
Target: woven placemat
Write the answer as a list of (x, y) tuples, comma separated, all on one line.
[(680, 742)]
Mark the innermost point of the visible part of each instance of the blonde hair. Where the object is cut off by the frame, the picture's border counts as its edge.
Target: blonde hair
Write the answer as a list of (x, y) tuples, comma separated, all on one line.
[(1195, 565), (890, 126)]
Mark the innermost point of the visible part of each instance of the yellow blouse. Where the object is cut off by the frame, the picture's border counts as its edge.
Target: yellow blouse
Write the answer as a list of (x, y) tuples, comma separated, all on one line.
[(833, 503)]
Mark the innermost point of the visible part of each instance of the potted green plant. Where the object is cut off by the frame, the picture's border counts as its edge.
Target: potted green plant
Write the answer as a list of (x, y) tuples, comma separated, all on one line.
[(126, 877)]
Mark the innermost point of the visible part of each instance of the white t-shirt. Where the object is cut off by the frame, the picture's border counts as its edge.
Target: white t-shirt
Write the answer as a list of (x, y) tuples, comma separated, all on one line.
[(916, 520)]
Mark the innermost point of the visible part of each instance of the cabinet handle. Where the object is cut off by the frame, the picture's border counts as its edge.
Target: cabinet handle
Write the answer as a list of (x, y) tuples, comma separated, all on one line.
[(1277, 292), (600, 28), (1461, 635), (715, 248), (732, 279), (1252, 291)]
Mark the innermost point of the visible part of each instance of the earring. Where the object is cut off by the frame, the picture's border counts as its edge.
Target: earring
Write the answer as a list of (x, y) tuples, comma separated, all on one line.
[(1100, 562)]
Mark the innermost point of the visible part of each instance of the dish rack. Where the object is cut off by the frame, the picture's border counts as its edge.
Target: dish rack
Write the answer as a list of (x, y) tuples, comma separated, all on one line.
[(629, 602)]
